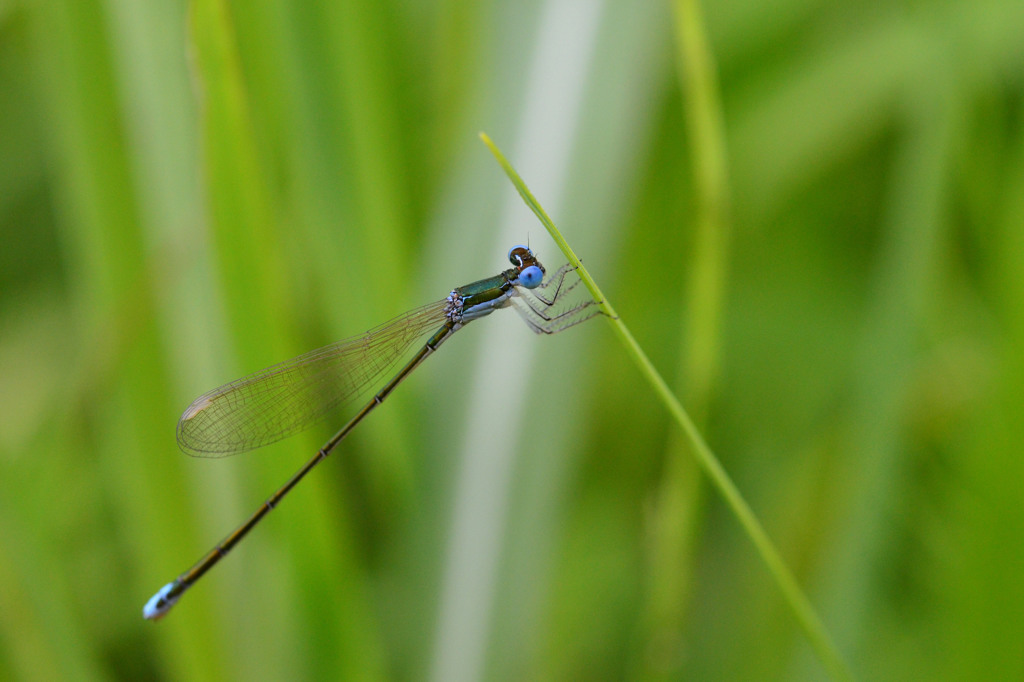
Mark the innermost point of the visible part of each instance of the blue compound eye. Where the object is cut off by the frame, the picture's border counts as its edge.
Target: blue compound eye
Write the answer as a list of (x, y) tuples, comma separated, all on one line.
[(531, 277)]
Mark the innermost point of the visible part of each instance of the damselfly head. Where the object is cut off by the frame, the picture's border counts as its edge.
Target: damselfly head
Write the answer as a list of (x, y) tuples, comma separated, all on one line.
[(521, 257), (531, 272)]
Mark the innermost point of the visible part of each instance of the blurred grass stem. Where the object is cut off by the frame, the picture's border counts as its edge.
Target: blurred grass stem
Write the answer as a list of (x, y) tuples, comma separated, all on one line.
[(677, 504)]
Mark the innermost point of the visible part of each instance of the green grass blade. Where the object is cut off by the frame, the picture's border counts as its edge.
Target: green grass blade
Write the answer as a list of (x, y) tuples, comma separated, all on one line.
[(784, 578)]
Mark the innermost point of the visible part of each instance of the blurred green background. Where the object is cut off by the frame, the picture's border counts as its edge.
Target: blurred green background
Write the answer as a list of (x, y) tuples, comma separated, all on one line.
[(192, 191)]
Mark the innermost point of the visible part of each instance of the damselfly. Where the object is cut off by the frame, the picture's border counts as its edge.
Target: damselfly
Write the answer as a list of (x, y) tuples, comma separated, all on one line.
[(282, 400)]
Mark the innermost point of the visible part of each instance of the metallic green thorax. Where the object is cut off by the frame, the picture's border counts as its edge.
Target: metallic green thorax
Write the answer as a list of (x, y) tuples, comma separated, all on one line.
[(480, 298)]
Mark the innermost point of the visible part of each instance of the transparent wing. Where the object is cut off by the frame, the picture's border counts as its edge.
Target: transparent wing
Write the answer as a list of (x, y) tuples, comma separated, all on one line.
[(282, 400), (557, 304)]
